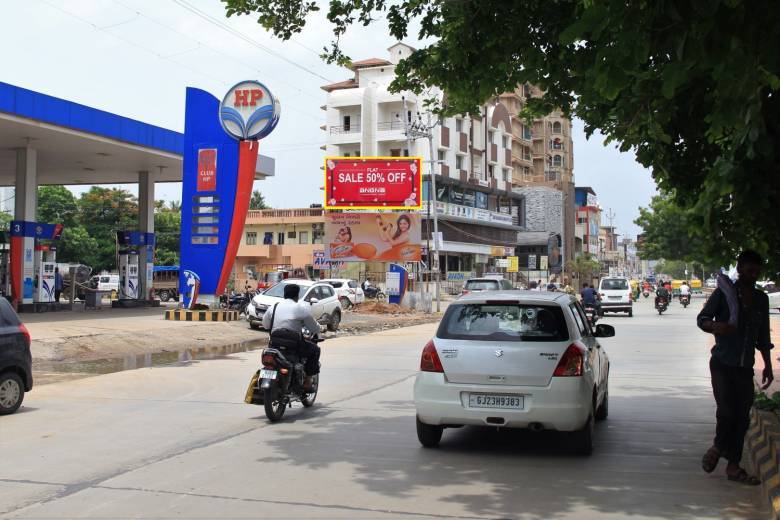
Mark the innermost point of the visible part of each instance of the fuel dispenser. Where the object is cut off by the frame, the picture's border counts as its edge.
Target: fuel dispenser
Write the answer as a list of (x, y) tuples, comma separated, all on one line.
[(45, 261), (31, 264), (128, 275)]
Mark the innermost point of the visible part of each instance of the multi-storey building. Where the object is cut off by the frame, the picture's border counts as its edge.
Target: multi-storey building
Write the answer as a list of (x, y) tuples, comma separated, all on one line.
[(588, 221), (479, 213)]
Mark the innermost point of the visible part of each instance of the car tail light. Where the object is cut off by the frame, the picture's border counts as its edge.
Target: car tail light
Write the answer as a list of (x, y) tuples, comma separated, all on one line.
[(25, 332), (429, 361), (464, 292), (268, 360), (571, 364)]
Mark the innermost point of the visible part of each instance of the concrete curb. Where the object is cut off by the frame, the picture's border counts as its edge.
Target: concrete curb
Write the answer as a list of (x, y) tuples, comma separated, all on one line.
[(763, 446), (188, 315)]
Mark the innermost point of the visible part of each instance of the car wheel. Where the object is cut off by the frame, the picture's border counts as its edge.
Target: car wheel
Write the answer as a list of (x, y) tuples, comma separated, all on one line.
[(630, 313), (254, 326), (345, 302), (11, 393), (429, 435), (334, 321), (603, 411), (582, 442)]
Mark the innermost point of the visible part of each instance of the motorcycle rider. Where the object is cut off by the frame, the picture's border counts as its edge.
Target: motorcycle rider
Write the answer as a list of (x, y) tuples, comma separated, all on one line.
[(685, 290), (286, 319), (590, 297), (661, 292)]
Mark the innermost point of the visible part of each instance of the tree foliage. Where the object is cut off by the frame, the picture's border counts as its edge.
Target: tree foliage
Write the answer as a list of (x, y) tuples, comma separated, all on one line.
[(257, 201), (584, 267), (691, 86), (666, 233)]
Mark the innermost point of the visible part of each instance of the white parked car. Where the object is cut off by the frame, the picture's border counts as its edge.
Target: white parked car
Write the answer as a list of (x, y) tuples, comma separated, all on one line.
[(486, 283), (773, 292), (615, 292), (517, 359), (348, 291), (322, 297)]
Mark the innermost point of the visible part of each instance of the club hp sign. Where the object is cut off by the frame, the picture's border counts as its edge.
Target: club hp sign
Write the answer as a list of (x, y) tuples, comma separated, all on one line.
[(249, 111)]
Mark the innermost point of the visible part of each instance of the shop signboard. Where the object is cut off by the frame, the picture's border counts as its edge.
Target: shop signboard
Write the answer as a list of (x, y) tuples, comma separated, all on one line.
[(513, 264), (321, 263), (383, 237), (543, 265), (532, 262), (502, 262), (373, 183), (458, 276), (496, 251)]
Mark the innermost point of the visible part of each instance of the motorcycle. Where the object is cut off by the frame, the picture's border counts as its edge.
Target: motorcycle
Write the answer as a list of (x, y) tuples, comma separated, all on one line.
[(592, 313), (685, 300), (374, 293), (237, 301), (280, 380), (661, 304)]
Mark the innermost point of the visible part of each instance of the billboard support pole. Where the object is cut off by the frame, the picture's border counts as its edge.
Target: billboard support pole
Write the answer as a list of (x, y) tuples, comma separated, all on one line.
[(435, 263)]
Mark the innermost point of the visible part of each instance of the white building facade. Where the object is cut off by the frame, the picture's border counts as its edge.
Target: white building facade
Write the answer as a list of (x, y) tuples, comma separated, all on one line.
[(480, 215)]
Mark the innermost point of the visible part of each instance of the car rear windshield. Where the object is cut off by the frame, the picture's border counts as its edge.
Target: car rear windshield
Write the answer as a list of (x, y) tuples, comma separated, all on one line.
[(482, 285), (278, 290), (337, 285), (504, 322), (614, 284)]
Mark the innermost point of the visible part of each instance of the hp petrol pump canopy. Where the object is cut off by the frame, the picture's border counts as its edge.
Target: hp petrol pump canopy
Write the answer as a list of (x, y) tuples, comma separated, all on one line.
[(384, 237), (373, 183)]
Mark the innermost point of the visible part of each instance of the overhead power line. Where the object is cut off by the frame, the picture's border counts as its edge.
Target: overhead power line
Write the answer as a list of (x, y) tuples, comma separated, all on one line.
[(238, 34)]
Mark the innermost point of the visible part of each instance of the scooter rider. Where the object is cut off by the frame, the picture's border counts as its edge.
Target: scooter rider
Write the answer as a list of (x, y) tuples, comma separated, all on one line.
[(685, 290), (661, 292), (590, 297), (286, 319)]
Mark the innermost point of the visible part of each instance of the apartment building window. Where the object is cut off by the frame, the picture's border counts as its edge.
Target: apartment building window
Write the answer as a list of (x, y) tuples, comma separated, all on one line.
[(268, 238), (490, 136), (556, 127), (459, 125), (347, 123), (442, 155), (459, 162), (346, 154), (251, 238), (280, 238), (557, 160), (506, 174), (317, 235), (504, 141), (409, 116), (556, 144), (303, 237), (490, 171)]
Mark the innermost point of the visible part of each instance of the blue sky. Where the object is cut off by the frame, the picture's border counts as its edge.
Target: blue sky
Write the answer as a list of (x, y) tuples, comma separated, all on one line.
[(136, 57)]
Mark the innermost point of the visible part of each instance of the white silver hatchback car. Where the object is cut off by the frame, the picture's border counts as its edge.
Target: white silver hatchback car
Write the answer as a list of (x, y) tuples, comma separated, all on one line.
[(520, 359)]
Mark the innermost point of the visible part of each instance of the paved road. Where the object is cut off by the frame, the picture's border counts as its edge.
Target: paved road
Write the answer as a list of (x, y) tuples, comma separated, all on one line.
[(179, 442)]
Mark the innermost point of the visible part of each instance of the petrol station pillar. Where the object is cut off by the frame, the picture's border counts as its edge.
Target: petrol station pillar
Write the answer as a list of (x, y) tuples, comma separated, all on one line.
[(25, 207), (146, 182)]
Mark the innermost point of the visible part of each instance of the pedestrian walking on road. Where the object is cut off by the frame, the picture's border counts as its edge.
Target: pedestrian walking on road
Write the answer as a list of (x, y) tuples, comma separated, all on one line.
[(731, 364)]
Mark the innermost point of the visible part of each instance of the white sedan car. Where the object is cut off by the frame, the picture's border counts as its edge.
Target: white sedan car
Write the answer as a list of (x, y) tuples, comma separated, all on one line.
[(322, 297), (348, 291), (516, 359)]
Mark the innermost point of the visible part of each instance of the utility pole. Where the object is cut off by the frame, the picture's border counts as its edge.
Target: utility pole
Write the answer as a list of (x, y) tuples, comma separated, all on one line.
[(408, 134), (415, 131)]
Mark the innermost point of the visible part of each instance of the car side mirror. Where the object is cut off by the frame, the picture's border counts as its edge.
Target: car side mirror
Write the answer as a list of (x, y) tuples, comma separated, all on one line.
[(604, 331), (313, 301)]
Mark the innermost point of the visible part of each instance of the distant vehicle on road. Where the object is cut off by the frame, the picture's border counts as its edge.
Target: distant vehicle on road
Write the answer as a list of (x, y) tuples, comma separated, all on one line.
[(166, 282), (15, 360), (325, 306), (491, 283), (348, 291), (515, 360), (616, 295), (773, 292), (711, 283)]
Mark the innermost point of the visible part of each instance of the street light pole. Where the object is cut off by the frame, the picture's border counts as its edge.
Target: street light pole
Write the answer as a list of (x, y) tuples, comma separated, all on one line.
[(435, 263)]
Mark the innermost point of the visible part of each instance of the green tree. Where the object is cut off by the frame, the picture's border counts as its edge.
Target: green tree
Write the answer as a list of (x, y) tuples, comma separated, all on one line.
[(583, 268), (77, 246), (167, 228), (57, 205), (103, 212), (257, 201), (665, 227), (690, 86)]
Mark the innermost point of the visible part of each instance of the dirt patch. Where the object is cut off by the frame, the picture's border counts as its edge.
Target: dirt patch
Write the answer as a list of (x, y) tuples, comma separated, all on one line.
[(382, 308)]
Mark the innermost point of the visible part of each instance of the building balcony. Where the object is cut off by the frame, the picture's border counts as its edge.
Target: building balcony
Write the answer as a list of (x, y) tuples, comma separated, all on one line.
[(345, 129)]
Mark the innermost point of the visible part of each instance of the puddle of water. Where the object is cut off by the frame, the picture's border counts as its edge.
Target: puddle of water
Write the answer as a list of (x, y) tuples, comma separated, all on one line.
[(178, 357)]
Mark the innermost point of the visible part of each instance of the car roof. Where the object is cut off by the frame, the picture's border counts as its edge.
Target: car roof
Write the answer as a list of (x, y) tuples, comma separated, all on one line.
[(326, 280), (483, 279), (519, 295), (299, 281)]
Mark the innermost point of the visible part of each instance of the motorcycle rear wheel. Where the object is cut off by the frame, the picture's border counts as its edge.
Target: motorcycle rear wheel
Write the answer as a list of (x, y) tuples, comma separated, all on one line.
[(307, 400), (274, 410)]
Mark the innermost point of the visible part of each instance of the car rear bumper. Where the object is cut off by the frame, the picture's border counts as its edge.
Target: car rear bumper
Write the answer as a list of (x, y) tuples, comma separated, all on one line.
[(614, 306), (563, 405)]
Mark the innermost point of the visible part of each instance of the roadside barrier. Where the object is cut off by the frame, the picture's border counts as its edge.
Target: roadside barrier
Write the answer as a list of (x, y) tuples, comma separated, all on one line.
[(189, 315), (763, 439)]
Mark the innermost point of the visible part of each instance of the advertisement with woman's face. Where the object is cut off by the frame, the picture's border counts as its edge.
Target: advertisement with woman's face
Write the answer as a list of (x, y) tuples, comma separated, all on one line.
[(357, 237)]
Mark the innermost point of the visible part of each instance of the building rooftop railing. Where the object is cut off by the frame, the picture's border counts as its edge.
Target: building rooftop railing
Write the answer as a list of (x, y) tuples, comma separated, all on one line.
[(285, 213), (346, 129)]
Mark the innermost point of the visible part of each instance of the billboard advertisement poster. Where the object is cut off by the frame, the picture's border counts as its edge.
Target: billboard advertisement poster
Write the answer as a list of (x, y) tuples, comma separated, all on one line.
[(373, 183), (383, 237), (543, 265), (554, 254), (513, 264)]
